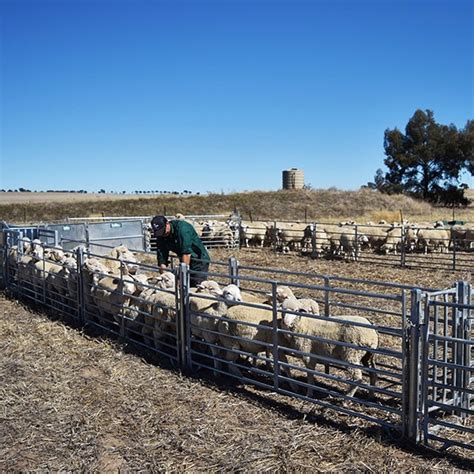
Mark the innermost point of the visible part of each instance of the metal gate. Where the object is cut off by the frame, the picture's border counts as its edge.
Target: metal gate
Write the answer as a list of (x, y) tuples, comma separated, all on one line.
[(447, 368), (112, 234)]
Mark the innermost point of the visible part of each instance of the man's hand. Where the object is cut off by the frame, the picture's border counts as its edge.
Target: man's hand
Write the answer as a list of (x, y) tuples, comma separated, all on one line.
[(163, 268), (186, 258)]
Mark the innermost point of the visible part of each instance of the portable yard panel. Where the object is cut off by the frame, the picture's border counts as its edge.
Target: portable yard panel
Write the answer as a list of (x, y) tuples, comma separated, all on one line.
[(113, 234), (447, 382), (68, 235)]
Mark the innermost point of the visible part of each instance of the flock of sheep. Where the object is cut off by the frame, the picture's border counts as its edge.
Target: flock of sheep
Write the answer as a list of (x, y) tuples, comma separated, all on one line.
[(346, 239), (226, 322)]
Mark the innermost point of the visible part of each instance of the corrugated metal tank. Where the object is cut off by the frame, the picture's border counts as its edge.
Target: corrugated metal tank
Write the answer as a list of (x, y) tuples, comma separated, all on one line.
[(293, 179)]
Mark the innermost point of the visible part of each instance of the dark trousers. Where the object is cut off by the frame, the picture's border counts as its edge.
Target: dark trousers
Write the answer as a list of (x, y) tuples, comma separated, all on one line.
[(198, 266)]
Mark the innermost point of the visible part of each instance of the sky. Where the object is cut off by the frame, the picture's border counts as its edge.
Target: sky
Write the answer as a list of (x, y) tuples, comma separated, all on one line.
[(221, 96)]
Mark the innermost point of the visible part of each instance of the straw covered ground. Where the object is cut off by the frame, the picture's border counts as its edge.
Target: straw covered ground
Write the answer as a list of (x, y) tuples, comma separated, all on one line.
[(71, 400)]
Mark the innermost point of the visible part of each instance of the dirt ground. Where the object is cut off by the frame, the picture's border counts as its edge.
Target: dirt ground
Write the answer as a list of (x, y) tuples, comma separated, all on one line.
[(71, 400)]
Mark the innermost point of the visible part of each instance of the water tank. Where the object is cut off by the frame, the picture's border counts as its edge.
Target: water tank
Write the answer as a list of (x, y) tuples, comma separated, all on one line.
[(293, 179)]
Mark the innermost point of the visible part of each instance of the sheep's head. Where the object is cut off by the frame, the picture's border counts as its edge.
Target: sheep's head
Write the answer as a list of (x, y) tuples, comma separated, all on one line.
[(231, 293), (289, 320), (56, 254), (26, 245), (37, 249), (209, 286), (166, 280), (284, 292)]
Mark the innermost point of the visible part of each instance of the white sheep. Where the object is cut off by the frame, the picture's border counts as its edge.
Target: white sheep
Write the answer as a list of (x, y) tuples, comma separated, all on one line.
[(243, 328), (287, 299), (110, 293), (121, 254), (158, 308), (336, 329), (253, 233), (204, 314)]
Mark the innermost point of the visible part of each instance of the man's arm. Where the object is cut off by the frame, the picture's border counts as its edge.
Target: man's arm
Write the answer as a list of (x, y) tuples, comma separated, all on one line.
[(162, 253)]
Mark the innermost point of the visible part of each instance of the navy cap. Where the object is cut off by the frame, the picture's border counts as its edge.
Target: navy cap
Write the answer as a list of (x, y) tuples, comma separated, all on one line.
[(158, 224)]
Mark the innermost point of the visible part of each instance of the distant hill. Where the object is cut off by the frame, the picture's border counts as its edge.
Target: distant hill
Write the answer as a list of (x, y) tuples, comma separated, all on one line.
[(325, 204)]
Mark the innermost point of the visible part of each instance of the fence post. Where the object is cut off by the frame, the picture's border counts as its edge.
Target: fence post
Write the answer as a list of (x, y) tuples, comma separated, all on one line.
[(327, 302), (404, 246), (276, 359), (80, 283), (234, 271), (411, 369), (122, 315), (182, 320), (454, 255), (461, 357), (45, 275), (357, 243), (314, 230), (6, 249)]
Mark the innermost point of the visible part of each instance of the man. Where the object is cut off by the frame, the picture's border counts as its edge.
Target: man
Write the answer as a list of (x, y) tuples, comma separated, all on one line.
[(180, 237)]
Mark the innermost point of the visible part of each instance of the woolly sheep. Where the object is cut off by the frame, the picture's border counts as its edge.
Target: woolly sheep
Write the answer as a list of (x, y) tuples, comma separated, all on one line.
[(433, 239), (330, 329), (243, 328)]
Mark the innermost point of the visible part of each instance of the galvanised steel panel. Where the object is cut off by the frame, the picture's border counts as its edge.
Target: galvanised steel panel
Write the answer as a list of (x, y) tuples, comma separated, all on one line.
[(112, 234), (69, 235)]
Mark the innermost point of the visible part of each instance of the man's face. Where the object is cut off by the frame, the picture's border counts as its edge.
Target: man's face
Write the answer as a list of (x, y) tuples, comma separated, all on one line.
[(162, 231)]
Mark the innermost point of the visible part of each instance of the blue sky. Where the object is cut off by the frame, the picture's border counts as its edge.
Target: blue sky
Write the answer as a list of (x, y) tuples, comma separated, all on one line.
[(222, 95)]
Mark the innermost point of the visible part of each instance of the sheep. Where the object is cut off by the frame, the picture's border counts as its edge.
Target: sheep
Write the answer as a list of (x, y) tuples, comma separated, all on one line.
[(315, 240), (27, 273), (376, 234), (242, 328), (458, 237), (291, 236), (336, 329), (253, 233), (203, 316), (14, 256), (69, 281), (351, 242), (411, 237), (110, 293), (90, 268), (215, 232), (433, 239), (285, 297), (393, 241), (158, 308), (121, 254)]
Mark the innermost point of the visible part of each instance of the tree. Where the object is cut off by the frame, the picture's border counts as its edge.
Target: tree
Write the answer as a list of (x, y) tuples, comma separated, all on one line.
[(427, 160)]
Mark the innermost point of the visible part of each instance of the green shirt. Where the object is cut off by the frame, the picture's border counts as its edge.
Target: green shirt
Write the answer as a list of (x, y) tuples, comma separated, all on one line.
[(182, 240)]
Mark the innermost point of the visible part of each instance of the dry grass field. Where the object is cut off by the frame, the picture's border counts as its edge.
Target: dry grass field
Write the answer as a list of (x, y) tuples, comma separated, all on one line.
[(330, 204)]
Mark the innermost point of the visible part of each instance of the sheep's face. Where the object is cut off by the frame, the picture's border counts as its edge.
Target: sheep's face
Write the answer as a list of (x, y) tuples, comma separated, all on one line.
[(289, 321), (166, 280), (282, 293), (70, 263), (209, 286), (231, 293)]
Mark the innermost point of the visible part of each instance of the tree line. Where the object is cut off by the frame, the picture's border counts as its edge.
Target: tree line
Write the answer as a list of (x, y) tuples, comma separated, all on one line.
[(428, 160), (101, 191)]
